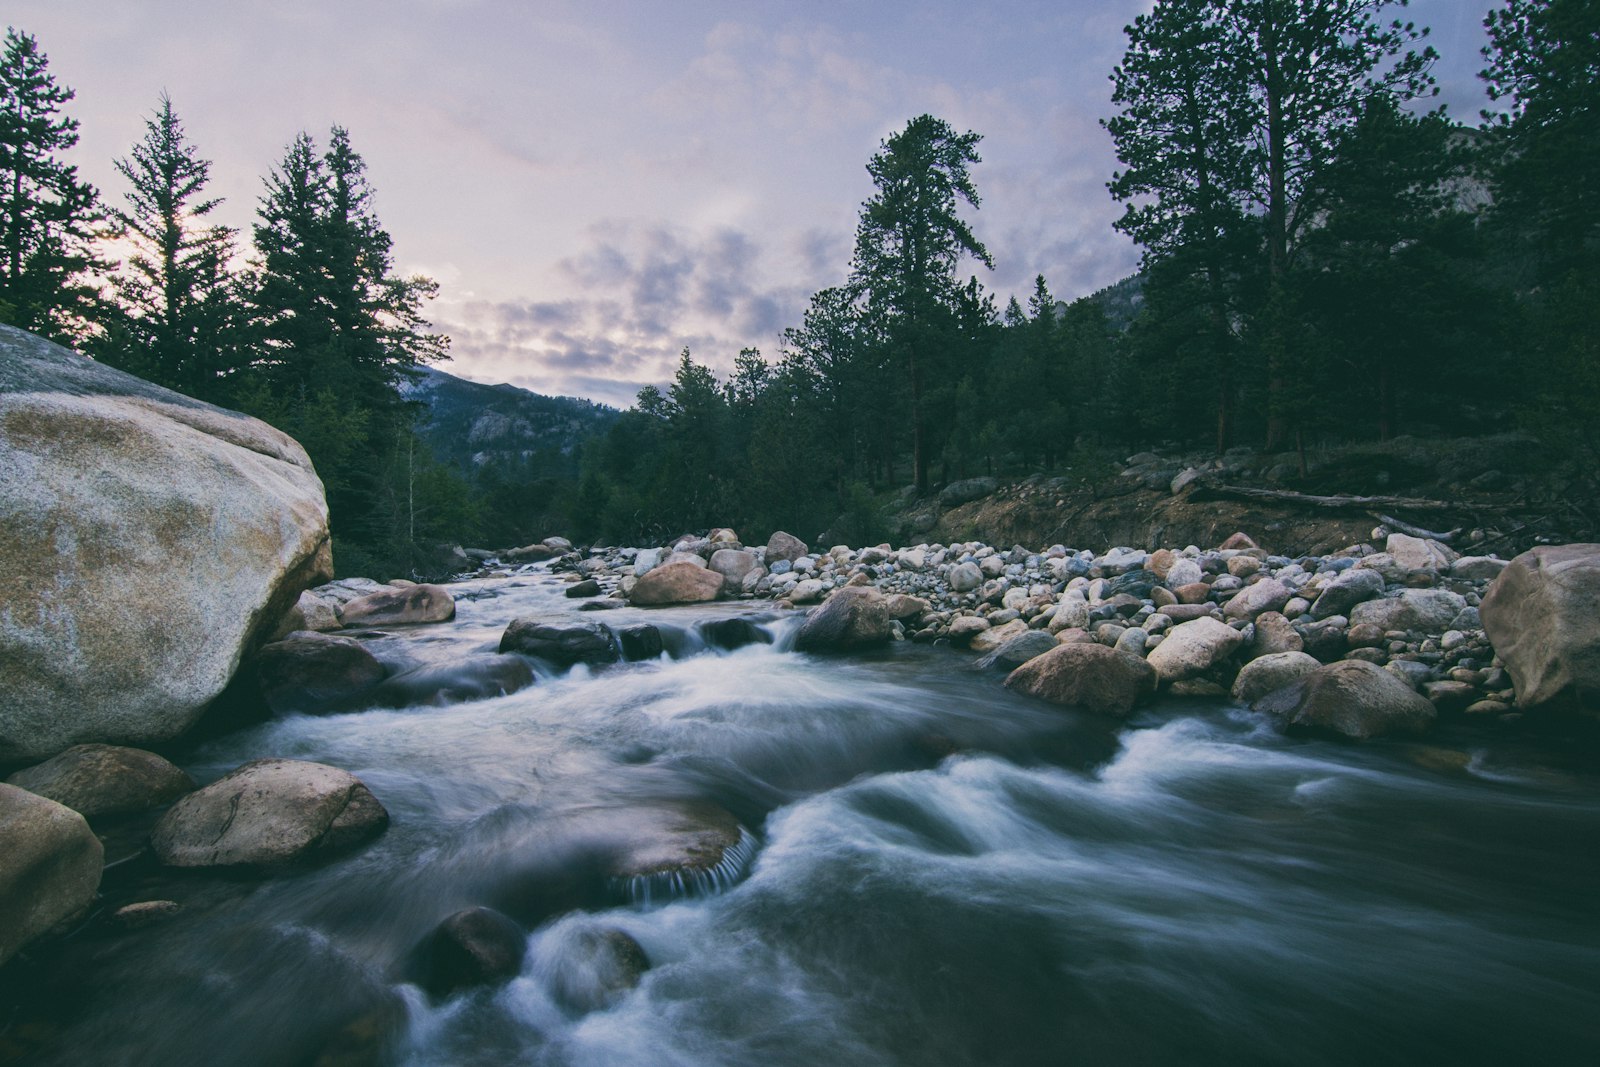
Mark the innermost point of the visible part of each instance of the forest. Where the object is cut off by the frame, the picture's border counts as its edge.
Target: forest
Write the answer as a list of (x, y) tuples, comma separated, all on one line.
[(1327, 255)]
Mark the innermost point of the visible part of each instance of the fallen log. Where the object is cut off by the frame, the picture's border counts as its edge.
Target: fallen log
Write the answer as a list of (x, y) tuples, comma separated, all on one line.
[(1361, 503)]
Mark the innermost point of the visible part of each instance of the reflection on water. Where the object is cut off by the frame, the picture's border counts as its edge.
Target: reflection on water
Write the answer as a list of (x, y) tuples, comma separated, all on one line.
[(934, 871)]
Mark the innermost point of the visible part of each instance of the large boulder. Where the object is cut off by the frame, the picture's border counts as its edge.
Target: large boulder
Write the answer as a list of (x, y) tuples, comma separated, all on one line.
[(1193, 648), (677, 582), (1092, 677), (269, 813), (311, 673), (399, 606), (148, 540), (1542, 615), (1352, 699), (854, 617), (105, 780), (51, 867)]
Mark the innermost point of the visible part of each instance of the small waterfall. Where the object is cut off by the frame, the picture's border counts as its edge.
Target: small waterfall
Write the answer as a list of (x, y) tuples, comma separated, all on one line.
[(661, 887)]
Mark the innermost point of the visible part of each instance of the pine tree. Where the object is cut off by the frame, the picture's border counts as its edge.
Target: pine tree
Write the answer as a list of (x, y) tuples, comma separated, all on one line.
[(178, 316), (338, 332), (49, 219), (908, 243)]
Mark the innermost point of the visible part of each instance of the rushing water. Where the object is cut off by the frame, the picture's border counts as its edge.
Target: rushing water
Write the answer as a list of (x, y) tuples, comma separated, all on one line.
[(936, 871)]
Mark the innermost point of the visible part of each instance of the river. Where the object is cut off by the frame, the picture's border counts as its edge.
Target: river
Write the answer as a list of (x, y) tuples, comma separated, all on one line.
[(936, 871)]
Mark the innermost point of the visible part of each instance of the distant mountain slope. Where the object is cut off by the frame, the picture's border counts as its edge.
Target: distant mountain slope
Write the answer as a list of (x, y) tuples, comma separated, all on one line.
[(468, 424)]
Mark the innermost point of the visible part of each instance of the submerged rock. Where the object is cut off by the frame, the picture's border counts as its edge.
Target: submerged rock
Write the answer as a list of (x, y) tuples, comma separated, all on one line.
[(561, 645), (50, 866), (675, 849), (269, 813), (473, 678), (105, 780), (594, 967), (474, 947)]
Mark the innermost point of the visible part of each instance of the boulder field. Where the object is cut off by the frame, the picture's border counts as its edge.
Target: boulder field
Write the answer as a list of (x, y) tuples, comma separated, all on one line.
[(1201, 619), (148, 540)]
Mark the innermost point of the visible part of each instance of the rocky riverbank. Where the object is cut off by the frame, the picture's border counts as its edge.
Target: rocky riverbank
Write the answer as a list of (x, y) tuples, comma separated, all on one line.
[(1231, 620)]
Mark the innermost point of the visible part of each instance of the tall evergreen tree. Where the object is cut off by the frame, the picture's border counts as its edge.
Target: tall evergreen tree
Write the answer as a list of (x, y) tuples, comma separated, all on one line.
[(908, 243), (338, 332), (1233, 111), (178, 317), (48, 217)]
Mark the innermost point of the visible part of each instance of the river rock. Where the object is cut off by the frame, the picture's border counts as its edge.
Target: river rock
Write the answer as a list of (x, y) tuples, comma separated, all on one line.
[(1088, 676), (1183, 572), (1018, 650), (1429, 611), (535, 553), (678, 582), (639, 642), (1194, 647), (1542, 615), (991, 639), (478, 677), (148, 540), (1270, 673), (51, 869), (561, 645), (856, 617), (786, 547), (966, 627), (1269, 594), (965, 577), (1419, 554), (900, 606), (310, 673), (1478, 568), (269, 813), (1352, 699), (400, 606), (105, 780), (1350, 588), (808, 591), (309, 612), (1273, 634), (474, 947), (733, 564), (589, 587)]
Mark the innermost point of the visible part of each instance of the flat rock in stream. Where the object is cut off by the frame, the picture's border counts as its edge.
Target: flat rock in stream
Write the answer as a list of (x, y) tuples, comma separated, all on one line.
[(269, 813), (478, 677), (677, 848)]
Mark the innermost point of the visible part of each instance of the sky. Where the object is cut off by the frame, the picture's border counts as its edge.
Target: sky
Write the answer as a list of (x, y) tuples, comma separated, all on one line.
[(596, 185)]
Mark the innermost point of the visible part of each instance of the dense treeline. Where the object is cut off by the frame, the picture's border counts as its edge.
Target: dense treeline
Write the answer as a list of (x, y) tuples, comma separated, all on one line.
[(1325, 257)]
